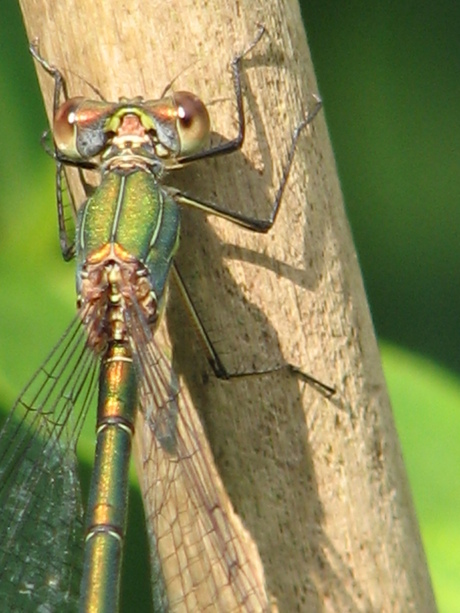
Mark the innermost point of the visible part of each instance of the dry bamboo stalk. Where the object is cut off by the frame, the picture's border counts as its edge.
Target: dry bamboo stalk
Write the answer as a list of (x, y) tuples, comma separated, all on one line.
[(319, 483)]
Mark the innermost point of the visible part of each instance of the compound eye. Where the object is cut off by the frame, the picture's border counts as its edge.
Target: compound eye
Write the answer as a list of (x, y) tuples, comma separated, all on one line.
[(65, 128), (193, 125), (79, 128)]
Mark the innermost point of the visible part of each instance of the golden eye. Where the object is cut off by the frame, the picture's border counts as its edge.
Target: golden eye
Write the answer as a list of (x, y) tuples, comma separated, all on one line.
[(79, 128), (65, 128), (193, 125)]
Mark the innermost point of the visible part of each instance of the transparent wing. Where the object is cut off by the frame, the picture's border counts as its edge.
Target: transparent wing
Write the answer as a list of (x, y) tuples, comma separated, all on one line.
[(41, 534), (206, 559)]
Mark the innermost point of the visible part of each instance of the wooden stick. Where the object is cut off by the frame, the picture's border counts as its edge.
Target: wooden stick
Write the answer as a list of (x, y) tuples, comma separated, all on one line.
[(319, 483)]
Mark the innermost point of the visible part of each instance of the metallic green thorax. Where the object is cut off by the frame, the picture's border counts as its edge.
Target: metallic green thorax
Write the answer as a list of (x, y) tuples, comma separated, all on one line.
[(129, 208)]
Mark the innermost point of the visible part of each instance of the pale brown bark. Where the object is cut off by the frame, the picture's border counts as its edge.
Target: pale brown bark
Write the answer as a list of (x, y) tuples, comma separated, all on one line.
[(319, 483)]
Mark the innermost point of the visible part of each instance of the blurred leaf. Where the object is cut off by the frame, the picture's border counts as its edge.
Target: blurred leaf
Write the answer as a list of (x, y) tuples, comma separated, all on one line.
[(426, 404)]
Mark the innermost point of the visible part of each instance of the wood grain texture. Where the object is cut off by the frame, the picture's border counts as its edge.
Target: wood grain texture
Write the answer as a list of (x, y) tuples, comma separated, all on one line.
[(320, 484)]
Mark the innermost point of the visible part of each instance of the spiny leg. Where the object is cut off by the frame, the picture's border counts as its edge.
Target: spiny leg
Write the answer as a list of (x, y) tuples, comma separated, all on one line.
[(251, 223), (216, 363), (237, 142), (60, 89), (247, 222)]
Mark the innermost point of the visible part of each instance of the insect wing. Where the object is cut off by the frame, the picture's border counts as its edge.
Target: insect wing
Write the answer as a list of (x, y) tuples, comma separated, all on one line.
[(41, 533), (207, 559)]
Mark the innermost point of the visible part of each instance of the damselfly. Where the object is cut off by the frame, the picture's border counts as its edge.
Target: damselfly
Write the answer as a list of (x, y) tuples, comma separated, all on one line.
[(125, 239)]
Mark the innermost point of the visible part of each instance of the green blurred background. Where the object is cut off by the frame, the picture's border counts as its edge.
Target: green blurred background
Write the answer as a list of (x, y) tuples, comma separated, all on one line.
[(389, 74)]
